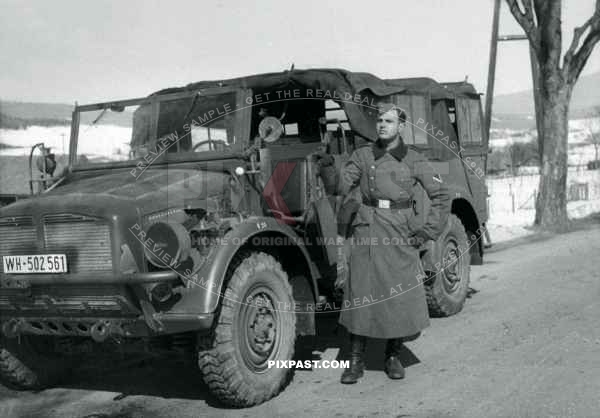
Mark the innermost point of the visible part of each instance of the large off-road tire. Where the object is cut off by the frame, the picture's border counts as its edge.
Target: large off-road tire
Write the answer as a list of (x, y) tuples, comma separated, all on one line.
[(256, 324), (447, 287), (27, 362)]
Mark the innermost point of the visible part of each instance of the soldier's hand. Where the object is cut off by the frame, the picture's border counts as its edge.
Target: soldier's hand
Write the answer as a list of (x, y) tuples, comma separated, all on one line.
[(418, 238), (323, 158)]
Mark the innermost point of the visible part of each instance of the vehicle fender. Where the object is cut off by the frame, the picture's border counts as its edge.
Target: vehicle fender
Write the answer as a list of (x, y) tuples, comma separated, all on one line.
[(462, 206), (206, 286)]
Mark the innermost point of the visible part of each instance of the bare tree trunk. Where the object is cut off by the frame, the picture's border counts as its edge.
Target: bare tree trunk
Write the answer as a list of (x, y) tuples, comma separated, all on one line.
[(541, 21), (551, 204)]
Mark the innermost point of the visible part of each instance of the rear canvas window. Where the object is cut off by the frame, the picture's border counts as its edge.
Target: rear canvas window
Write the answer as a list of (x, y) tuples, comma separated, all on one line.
[(469, 121)]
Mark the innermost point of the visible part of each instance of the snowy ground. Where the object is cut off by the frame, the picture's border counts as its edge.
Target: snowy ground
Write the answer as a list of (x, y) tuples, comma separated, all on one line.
[(579, 131), (511, 202), (94, 140)]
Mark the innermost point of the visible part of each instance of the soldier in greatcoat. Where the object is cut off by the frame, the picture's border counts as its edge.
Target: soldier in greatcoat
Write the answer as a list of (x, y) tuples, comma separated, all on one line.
[(384, 295)]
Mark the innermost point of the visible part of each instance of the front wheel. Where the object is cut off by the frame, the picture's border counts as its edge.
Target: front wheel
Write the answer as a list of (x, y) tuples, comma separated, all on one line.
[(256, 325), (447, 287)]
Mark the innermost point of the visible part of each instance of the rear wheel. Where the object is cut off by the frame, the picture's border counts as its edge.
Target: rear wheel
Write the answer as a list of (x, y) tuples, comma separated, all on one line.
[(447, 288), (256, 325), (29, 362)]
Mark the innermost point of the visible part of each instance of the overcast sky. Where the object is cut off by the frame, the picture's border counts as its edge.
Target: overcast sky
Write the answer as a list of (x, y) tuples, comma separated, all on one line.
[(86, 51)]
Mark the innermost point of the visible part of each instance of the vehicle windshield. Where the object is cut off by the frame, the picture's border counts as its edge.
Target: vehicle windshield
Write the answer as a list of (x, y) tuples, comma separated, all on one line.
[(156, 129)]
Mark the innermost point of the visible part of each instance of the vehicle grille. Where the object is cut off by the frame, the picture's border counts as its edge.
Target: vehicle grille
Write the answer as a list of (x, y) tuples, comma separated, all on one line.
[(85, 240), (17, 236)]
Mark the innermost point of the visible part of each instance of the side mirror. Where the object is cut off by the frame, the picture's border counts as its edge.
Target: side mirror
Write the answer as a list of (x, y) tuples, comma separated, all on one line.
[(46, 163)]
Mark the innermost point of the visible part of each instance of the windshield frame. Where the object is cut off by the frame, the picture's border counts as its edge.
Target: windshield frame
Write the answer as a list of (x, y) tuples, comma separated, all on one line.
[(243, 126)]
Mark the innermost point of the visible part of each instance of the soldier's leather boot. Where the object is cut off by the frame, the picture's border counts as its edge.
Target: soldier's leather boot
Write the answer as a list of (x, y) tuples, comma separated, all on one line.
[(357, 365), (393, 367)]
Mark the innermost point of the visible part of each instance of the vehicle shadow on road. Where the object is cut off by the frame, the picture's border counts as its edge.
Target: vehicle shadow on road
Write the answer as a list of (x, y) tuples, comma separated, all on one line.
[(158, 377), (331, 335), (167, 378)]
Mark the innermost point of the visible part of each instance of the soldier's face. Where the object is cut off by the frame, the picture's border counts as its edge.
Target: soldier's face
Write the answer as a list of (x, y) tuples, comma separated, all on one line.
[(389, 126)]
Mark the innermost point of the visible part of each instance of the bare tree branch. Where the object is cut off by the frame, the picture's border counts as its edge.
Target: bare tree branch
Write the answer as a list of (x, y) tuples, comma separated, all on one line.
[(526, 20), (575, 59), (528, 9), (594, 20), (575, 42), (580, 59)]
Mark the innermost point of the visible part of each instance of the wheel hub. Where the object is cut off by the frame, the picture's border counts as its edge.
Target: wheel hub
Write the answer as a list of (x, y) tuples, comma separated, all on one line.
[(262, 330), (259, 334), (451, 270)]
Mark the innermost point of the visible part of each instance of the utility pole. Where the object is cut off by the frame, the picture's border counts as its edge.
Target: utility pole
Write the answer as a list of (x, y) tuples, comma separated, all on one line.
[(489, 93), (492, 74)]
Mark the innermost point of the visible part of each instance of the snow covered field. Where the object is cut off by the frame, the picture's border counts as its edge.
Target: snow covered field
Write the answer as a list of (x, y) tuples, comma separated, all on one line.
[(579, 130), (512, 203), (21, 140), (95, 140)]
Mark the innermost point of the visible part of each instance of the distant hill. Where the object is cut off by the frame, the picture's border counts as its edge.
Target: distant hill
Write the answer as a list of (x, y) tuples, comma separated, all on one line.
[(19, 115), (12, 122), (30, 110), (586, 94)]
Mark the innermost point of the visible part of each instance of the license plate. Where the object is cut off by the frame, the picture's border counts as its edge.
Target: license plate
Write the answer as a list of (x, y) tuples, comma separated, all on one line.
[(27, 264)]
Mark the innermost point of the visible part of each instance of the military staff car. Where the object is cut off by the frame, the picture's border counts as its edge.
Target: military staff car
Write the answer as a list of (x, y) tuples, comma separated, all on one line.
[(198, 219)]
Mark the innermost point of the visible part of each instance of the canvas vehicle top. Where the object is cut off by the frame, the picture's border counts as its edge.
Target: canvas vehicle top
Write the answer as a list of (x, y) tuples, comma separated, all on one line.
[(202, 211)]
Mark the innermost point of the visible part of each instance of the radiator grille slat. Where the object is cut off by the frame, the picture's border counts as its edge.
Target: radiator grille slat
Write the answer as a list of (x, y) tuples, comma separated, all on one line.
[(85, 241), (17, 239)]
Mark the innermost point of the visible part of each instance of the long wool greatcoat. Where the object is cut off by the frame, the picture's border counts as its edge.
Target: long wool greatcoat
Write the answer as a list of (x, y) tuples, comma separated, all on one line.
[(384, 295)]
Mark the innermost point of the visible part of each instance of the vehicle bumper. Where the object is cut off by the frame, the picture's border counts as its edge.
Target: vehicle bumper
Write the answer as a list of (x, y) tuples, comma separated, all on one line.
[(103, 327), (23, 281), (78, 304)]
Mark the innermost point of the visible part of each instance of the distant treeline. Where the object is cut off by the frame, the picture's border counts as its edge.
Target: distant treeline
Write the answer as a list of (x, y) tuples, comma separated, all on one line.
[(12, 122)]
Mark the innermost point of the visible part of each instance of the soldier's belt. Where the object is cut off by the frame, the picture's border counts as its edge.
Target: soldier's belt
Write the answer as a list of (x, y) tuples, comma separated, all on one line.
[(389, 204)]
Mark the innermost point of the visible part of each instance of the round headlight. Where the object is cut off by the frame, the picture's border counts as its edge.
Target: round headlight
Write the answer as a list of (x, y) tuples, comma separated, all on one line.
[(167, 244)]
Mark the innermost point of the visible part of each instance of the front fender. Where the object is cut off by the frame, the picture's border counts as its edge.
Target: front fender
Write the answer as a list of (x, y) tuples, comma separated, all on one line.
[(203, 295)]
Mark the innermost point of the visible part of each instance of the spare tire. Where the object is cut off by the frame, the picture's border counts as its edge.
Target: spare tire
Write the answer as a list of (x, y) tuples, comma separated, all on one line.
[(447, 287)]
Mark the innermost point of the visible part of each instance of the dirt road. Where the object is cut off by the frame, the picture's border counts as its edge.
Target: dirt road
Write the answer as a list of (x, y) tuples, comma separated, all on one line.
[(527, 344)]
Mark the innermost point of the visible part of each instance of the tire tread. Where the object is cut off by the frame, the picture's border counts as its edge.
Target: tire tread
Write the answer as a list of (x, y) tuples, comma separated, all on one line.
[(439, 305), (216, 356)]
